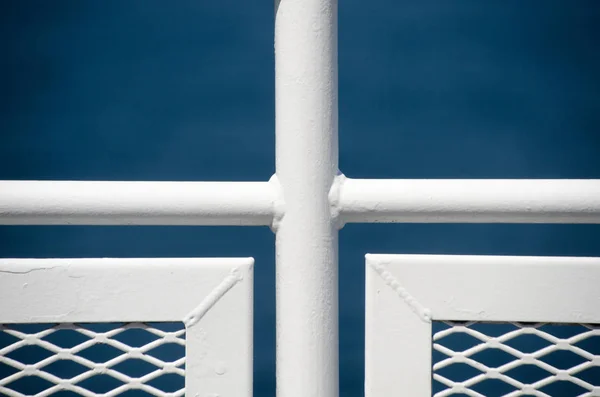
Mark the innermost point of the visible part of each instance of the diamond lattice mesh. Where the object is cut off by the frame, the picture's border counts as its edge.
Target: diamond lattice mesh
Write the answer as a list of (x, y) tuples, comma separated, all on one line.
[(515, 359), (99, 359)]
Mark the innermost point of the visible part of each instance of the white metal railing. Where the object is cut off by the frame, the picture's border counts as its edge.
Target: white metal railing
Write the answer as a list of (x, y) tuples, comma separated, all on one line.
[(405, 294), (135, 203), (305, 203), (471, 201), (211, 297), (260, 203)]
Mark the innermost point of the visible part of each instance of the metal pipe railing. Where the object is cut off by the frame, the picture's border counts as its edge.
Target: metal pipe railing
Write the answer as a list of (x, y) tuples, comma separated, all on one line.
[(136, 203), (470, 200), (306, 127)]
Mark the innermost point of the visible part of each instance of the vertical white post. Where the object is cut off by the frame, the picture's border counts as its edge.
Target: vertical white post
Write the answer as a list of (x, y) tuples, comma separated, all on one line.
[(307, 161)]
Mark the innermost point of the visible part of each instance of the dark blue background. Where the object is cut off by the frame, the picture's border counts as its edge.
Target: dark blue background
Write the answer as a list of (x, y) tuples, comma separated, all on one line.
[(151, 90)]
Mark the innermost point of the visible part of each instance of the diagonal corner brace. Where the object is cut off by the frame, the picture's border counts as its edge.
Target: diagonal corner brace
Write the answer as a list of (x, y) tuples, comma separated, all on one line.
[(422, 312), (213, 297)]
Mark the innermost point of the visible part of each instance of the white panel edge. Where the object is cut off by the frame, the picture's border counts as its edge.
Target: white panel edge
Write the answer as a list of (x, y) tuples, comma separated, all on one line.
[(392, 331)]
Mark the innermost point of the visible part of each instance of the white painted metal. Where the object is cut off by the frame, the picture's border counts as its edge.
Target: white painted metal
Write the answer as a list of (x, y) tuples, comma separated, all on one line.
[(126, 354), (305, 203), (307, 161), (135, 203), (404, 293), (470, 201), (213, 297), (520, 359), (89, 339), (253, 203)]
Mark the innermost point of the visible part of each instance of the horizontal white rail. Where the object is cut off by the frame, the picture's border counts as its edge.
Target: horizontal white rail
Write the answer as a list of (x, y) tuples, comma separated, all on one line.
[(470, 201), (135, 203), (252, 203)]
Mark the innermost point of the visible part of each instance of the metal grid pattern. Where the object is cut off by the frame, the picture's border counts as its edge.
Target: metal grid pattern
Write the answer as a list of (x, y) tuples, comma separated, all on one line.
[(91, 360), (515, 359)]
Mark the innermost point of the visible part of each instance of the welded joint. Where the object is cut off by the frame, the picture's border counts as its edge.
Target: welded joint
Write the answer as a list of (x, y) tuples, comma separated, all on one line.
[(334, 200), (278, 203), (333, 197), (193, 317), (421, 311)]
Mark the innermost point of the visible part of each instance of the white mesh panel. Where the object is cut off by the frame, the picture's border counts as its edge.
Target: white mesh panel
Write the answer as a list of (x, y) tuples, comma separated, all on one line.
[(92, 359), (514, 359)]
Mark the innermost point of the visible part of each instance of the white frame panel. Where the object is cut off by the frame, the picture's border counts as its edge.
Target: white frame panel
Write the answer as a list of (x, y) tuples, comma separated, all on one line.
[(404, 293), (213, 297)]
